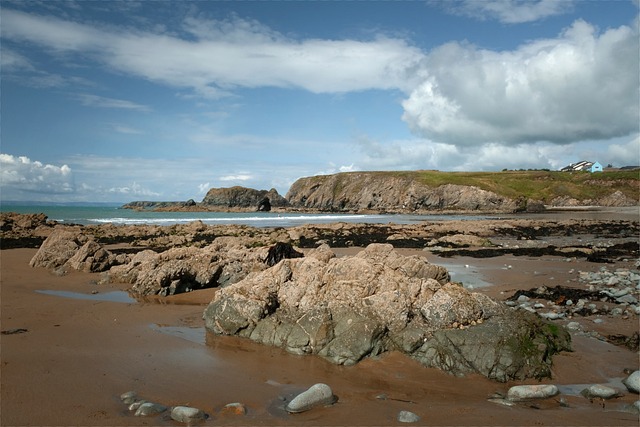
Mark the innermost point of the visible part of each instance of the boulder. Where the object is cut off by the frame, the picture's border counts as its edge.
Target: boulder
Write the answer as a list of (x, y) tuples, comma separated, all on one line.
[(317, 395), (75, 250), (348, 308)]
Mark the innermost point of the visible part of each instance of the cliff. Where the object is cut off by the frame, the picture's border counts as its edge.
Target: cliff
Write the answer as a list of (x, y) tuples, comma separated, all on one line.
[(418, 191)]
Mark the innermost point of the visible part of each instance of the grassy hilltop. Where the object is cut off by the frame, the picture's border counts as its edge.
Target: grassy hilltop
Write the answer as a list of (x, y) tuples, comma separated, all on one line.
[(538, 184)]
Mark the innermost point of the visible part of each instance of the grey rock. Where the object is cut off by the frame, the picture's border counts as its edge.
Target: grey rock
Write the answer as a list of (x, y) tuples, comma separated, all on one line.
[(408, 417), (317, 395), (187, 414), (526, 392), (601, 391), (149, 408), (632, 382), (129, 397)]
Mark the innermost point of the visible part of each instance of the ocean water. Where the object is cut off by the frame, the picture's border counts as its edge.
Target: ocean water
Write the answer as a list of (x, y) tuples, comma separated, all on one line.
[(114, 214)]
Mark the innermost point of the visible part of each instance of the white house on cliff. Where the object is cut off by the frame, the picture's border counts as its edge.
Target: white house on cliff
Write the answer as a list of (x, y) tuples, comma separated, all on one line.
[(583, 166)]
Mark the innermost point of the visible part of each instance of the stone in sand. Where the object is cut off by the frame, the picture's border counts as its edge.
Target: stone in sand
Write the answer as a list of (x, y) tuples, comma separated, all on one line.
[(524, 392), (598, 390), (408, 417), (235, 408), (186, 414), (633, 382), (129, 397), (149, 408), (317, 395)]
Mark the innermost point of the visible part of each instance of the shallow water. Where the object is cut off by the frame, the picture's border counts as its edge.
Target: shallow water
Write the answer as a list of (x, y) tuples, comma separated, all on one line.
[(114, 296), (193, 334)]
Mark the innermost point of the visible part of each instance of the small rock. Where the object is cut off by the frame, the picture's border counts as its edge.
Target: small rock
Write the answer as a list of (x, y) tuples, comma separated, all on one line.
[(186, 414), (524, 392), (632, 382), (598, 320), (129, 397), (234, 409), (601, 391), (135, 405), (551, 315), (408, 417), (573, 326), (150, 408), (500, 401), (317, 395)]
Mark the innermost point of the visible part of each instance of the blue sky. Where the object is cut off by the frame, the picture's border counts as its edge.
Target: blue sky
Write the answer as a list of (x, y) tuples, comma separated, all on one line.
[(160, 100)]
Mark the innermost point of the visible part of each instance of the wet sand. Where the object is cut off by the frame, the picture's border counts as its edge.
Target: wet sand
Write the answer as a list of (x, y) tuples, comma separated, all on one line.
[(79, 355)]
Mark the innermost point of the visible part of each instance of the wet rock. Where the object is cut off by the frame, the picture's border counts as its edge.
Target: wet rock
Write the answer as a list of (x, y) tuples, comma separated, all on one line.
[(129, 397), (599, 391), (526, 392), (632, 382), (317, 395), (149, 408), (187, 414), (235, 408), (408, 417)]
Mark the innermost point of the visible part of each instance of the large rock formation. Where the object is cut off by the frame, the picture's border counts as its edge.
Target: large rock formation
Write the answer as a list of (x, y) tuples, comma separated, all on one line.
[(242, 197), (227, 260), (347, 308), (362, 191)]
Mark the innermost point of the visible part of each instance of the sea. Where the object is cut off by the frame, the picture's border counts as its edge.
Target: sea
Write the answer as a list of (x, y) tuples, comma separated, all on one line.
[(87, 214)]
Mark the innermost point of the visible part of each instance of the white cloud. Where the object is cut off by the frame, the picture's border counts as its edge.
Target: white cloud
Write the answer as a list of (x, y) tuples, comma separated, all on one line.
[(240, 177), (127, 130), (221, 55), (510, 11), (134, 190), (21, 176), (204, 187), (102, 102), (579, 86)]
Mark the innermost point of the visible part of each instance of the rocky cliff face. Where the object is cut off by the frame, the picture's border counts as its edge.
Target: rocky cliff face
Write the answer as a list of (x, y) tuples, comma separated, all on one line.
[(363, 191), (242, 197)]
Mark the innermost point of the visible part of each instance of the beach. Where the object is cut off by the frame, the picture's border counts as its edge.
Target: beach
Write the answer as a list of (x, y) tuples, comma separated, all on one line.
[(70, 356)]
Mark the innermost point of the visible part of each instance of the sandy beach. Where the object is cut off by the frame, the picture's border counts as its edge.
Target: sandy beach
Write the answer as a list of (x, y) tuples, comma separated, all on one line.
[(78, 354)]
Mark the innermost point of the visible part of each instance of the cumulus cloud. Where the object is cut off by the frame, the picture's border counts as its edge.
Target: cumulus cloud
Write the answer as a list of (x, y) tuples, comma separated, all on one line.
[(580, 86), (222, 54), (20, 175), (509, 11), (625, 154)]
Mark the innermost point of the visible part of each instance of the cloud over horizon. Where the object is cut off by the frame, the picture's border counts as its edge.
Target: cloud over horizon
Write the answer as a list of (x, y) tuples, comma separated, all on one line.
[(22, 175)]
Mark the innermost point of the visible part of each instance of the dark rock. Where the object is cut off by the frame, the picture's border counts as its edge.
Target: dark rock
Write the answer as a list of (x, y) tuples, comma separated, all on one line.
[(281, 251), (265, 205)]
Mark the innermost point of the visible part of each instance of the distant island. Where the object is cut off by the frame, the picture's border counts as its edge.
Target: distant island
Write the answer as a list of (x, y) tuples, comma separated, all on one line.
[(424, 191)]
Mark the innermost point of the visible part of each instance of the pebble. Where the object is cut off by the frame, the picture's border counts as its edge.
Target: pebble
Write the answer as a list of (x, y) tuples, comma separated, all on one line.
[(632, 382), (601, 391), (317, 395), (408, 417), (537, 391), (186, 414), (573, 326), (500, 401)]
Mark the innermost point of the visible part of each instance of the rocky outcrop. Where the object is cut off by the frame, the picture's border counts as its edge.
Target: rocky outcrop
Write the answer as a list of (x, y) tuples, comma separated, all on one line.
[(68, 248), (242, 197), (370, 191), (227, 260), (348, 308)]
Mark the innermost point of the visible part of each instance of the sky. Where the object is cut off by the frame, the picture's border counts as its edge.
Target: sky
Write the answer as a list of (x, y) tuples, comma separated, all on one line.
[(115, 101)]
